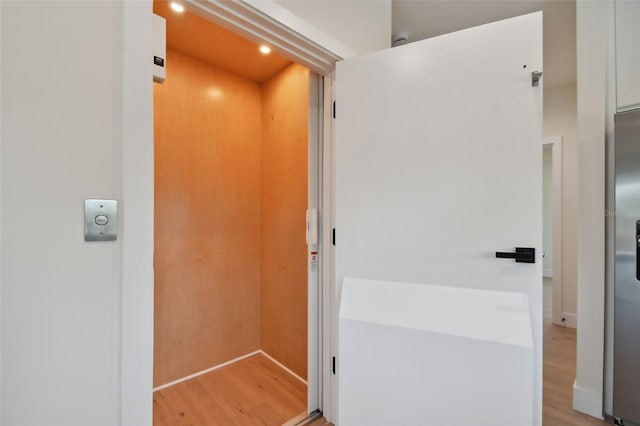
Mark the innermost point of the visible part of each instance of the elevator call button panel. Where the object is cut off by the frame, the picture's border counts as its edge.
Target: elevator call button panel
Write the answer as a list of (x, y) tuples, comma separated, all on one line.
[(100, 220)]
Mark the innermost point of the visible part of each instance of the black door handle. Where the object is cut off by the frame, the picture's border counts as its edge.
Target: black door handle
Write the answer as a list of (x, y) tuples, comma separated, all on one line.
[(522, 255)]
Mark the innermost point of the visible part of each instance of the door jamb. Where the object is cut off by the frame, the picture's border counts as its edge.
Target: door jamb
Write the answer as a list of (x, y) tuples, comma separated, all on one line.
[(136, 224), (556, 146), (0, 218), (330, 301), (314, 303)]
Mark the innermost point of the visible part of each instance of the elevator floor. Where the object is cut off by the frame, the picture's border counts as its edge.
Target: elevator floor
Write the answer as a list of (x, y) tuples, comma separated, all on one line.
[(253, 391)]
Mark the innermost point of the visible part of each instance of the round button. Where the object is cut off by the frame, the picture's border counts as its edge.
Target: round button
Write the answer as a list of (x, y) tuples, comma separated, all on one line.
[(101, 220)]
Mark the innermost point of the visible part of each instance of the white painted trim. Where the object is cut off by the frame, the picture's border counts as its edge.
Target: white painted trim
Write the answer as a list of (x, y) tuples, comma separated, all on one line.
[(302, 28), (587, 401), (249, 19), (594, 34), (284, 367), (1, 215), (136, 327), (314, 278), (631, 107), (556, 280), (329, 296), (547, 273), (208, 370), (569, 320), (610, 204)]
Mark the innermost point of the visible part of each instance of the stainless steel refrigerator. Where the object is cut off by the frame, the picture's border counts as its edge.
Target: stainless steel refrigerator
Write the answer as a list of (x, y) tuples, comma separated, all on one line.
[(626, 374)]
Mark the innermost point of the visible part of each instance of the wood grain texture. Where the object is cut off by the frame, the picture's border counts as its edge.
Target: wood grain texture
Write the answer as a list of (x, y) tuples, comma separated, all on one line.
[(207, 218), (254, 391), (285, 133), (215, 45), (320, 421)]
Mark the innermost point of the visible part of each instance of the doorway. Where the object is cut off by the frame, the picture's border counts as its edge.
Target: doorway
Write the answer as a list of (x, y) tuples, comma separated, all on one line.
[(552, 230), (547, 230), (236, 169)]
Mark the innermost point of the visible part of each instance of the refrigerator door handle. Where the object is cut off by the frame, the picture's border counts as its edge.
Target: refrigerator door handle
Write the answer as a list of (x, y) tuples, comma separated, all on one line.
[(638, 250)]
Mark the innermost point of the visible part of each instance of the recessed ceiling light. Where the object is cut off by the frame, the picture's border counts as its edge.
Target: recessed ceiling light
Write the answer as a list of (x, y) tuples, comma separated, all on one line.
[(177, 7), (265, 50)]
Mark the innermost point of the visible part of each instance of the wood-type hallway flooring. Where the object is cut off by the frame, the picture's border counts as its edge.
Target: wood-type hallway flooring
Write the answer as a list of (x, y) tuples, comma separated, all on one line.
[(255, 391)]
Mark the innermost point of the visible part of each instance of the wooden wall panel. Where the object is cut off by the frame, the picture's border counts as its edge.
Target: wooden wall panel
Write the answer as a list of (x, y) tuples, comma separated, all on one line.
[(195, 36), (207, 217), (285, 117)]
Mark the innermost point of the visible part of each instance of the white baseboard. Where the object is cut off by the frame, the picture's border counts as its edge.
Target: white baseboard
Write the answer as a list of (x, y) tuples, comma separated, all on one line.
[(224, 364), (587, 401), (208, 370), (275, 361), (570, 320)]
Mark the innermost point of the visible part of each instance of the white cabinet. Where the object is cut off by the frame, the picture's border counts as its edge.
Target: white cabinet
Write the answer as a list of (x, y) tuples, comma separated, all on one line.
[(627, 53)]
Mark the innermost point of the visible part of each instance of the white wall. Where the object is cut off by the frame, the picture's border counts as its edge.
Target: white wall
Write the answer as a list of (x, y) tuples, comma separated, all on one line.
[(364, 26), (344, 27), (77, 124), (560, 119), (60, 143), (60, 335), (547, 216), (594, 36)]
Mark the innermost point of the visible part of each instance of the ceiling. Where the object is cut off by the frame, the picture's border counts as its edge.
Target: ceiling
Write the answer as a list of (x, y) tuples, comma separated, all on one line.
[(195, 36), (429, 18), (421, 19)]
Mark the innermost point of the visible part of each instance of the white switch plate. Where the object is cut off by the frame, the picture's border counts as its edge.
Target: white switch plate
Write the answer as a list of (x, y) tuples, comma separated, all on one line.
[(100, 220), (159, 46)]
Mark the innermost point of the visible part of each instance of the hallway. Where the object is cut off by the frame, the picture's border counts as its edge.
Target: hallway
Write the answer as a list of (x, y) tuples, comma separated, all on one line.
[(559, 372)]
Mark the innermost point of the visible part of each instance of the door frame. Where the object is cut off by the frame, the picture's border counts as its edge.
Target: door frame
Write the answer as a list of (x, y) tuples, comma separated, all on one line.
[(314, 275), (555, 142), (312, 49)]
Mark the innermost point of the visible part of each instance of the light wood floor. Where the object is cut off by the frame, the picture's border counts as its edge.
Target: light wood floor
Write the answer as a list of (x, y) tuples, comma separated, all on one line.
[(321, 421), (274, 397), (559, 372), (254, 391)]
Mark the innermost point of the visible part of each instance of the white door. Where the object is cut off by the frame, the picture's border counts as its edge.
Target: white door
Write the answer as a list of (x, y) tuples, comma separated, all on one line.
[(438, 164)]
